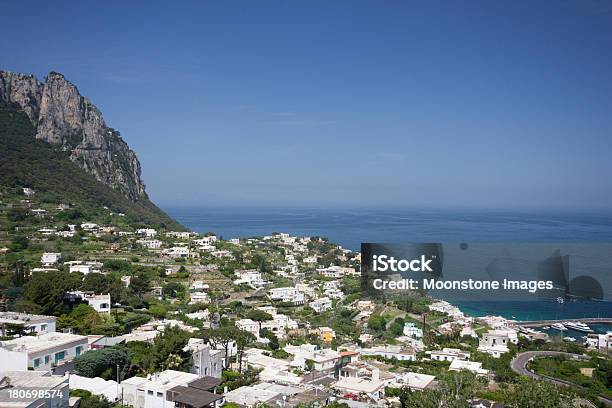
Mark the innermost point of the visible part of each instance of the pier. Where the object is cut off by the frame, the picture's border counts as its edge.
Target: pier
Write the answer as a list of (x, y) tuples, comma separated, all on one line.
[(586, 320)]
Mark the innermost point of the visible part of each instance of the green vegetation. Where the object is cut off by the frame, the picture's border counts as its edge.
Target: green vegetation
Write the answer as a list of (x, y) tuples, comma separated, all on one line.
[(27, 162), (595, 376)]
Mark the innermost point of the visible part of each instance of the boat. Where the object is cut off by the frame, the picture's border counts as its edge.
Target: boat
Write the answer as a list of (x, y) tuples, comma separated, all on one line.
[(571, 339), (546, 327), (578, 326), (558, 326)]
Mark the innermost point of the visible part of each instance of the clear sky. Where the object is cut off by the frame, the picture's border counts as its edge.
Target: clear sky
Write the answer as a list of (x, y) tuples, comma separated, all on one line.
[(492, 104)]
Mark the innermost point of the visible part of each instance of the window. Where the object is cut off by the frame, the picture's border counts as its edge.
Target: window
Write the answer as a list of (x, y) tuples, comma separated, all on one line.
[(159, 395), (43, 327), (78, 350), (36, 362), (150, 392), (60, 356), (47, 358)]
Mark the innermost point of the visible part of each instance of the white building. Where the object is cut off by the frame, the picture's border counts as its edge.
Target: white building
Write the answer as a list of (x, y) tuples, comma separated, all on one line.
[(279, 324), (147, 232), (287, 294), (204, 241), (152, 392), (251, 277), (414, 381), (57, 386), (101, 303), (248, 325), (495, 351), (204, 360), (411, 330), (335, 272), (38, 324), (321, 305), (496, 342), (176, 252), (373, 389), (179, 234), (391, 352), (199, 297), (249, 396), (50, 258), (306, 289), (473, 366), (495, 337), (599, 341), (334, 294), (150, 243), (449, 354), (324, 359), (41, 352), (89, 226), (310, 260), (109, 389), (84, 267), (199, 286)]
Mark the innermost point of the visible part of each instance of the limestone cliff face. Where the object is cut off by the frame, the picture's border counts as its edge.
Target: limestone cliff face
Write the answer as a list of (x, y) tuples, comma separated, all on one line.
[(64, 118)]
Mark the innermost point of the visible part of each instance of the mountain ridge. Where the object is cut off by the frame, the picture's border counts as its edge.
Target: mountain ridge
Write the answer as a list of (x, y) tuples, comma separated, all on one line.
[(55, 141), (63, 117)]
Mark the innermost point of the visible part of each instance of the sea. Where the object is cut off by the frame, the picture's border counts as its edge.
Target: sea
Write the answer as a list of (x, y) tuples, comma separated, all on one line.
[(349, 228)]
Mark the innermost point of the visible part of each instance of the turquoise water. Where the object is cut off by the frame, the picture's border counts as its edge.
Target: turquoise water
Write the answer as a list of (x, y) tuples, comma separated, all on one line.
[(538, 310), (350, 228)]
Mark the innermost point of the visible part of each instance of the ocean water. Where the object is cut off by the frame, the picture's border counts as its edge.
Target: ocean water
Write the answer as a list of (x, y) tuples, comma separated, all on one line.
[(350, 228)]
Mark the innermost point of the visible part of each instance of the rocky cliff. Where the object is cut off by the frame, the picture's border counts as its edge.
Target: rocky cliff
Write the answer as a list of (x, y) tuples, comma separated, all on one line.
[(66, 119)]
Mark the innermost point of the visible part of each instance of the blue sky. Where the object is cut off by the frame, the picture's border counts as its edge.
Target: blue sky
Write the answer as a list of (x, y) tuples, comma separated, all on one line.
[(342, 104)]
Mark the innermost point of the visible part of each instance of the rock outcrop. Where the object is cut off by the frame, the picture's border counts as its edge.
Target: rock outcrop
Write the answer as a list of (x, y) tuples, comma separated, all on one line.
[(62, 117)]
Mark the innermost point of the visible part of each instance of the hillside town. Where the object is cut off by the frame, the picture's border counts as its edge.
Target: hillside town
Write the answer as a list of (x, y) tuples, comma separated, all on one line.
[(99, 310)]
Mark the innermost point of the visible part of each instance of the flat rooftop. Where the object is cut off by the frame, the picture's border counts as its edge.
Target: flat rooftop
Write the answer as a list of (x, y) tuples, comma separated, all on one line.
[(41, 342), (33, 379), (24, 318), (163, 381)]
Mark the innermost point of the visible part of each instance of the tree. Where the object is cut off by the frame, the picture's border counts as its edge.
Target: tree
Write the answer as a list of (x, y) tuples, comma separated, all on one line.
[(222, 336), (273, 343), (377, 323), (168, 351), (140, 284), (309, 365), (95, 282), (88, 400), (158, 311), (259, 316), (174, 290), (95, 362), (46, 290), (82, 319), (19, 242), (396, 328), (243, 338), (528, 393)]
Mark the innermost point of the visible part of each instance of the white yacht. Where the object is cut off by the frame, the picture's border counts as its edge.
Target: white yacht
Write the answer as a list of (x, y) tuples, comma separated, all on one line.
[(558, 326), (578, 326)]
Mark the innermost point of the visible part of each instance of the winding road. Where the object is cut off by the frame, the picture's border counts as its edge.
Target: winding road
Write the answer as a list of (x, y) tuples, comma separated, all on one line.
[(519, 366)]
